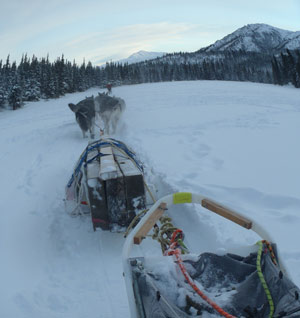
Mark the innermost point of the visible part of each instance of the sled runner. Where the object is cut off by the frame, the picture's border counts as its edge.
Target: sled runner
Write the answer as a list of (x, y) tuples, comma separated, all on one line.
[(251, 284), (108, 183)]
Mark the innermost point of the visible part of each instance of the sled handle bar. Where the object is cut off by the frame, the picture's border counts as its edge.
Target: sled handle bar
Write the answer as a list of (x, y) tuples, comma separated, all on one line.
[(156, 211), (185, 197)]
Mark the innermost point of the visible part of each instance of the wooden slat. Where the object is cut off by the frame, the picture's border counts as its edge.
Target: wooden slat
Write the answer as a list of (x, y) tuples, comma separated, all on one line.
[(126, 164), (93, 169), (108, 169), (144, 230), (227, 213)]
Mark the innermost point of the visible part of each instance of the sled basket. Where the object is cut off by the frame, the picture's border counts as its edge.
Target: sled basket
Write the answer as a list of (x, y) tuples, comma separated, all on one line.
[(108, 183), (255, 284)]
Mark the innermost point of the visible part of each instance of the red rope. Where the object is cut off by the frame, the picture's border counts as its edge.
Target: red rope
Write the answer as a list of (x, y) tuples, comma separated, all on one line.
[(269, 246), (196, 289), (174, 235)]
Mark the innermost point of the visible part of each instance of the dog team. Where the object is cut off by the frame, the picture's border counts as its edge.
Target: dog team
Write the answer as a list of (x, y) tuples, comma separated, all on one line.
[(103, 107)]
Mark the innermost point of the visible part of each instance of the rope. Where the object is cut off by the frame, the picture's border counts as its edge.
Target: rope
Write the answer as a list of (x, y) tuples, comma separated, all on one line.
[(123, 148), (262, 279), (149, 191), (112, 142), (269, 246), (171, 241), (164, 235), (190, 281), (134, 220), (83, 162)]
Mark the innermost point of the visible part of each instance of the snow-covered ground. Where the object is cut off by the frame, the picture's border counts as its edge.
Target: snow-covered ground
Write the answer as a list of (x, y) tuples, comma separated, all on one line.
[(234, 142)]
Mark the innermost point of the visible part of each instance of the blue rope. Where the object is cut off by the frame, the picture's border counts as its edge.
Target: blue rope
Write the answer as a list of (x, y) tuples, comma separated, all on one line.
[(97, 144), (100, 154)]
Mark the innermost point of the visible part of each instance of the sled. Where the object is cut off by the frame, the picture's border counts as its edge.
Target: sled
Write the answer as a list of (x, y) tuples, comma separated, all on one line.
[(253, 283), (108, 184)]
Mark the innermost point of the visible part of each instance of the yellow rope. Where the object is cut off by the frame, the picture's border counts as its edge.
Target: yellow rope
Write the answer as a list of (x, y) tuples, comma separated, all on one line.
[(134, 220), (124, 153), (262, 279)]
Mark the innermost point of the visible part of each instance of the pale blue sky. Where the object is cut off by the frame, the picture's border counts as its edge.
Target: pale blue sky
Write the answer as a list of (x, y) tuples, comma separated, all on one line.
[(100, 31)]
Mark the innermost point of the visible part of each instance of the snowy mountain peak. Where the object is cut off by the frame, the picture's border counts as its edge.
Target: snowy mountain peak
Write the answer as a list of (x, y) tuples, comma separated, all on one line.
[(141, 56), (257, 37)]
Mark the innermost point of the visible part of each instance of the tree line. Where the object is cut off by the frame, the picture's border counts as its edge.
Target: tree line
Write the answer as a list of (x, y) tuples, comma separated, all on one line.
[(286, 68), (33, 79)]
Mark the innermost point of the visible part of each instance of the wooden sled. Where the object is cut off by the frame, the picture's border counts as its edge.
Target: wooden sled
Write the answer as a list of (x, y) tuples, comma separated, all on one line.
[(108, 183), (206, 285)]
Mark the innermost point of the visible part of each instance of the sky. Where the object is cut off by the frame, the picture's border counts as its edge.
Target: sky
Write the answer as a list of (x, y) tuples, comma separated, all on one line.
[(101, 31)]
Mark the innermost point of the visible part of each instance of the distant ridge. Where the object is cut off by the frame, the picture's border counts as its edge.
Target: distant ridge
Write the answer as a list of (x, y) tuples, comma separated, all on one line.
[(256, 38), (141, 56), (259, 37)]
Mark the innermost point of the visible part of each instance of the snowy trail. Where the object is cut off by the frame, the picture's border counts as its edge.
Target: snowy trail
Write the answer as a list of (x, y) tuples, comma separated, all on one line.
[(110, 247), (54, 265), (235, 142)]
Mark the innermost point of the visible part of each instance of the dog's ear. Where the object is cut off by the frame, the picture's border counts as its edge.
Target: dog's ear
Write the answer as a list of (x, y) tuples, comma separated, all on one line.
[(72, 107)]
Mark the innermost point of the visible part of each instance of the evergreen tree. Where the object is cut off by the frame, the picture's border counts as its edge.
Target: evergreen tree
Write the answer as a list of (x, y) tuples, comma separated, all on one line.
[(15, 97), (276, 72)]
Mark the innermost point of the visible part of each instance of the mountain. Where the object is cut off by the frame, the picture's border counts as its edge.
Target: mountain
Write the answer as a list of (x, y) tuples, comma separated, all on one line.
[(244, 55), (141, 56), (255, 38), (261, 38)]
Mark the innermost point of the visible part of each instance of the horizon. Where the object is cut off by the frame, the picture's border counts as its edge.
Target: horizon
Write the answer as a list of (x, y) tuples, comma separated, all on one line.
[(39, 58), (101, 32)]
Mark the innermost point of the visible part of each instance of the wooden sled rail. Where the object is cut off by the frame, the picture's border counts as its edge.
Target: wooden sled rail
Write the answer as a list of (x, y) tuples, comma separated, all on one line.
[(154, 217), (227, 213), (185, 197)]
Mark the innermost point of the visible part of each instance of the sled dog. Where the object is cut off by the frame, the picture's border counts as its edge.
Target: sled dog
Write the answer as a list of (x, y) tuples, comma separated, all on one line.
[(85, 115), (109, 109)]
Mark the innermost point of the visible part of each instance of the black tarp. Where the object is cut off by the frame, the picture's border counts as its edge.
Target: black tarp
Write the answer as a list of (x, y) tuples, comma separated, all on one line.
[(157, 292)]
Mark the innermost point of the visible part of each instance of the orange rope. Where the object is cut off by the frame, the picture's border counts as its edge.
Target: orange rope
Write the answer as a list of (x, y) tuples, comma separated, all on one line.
[(269, 246), (174, 249), (174, 235), (222, 312)]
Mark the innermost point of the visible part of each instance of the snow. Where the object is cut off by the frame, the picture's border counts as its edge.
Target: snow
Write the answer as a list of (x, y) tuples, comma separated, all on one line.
[(141, 56), (257, 37), (234, 142)]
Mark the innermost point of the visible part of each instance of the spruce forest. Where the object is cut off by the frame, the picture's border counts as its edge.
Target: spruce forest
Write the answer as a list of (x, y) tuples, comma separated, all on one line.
[(33, 79)]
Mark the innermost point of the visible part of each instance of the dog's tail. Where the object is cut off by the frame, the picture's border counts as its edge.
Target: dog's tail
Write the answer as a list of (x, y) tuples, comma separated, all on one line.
[(73, 107), (122, 104)]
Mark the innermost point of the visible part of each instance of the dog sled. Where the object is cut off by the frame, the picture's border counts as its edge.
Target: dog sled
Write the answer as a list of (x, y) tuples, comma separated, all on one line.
[(107, 183), (253, 283)]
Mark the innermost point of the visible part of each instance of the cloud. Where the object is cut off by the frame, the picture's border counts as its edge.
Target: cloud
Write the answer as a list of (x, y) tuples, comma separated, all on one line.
[(30, 26), (115, 43), (121, 42), (100, 31)]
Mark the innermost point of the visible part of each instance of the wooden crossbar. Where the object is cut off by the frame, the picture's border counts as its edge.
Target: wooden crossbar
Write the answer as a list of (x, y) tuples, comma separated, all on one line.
[(227, 213), (144, 230)]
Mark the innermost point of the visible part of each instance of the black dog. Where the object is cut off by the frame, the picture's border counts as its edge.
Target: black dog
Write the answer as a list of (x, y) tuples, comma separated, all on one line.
[(85, 115)]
